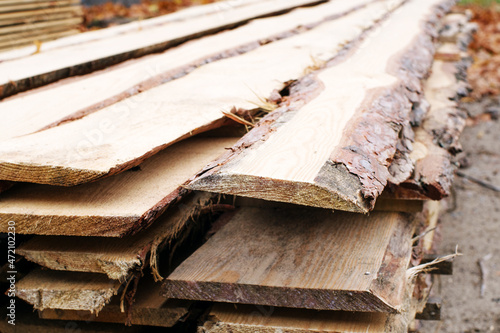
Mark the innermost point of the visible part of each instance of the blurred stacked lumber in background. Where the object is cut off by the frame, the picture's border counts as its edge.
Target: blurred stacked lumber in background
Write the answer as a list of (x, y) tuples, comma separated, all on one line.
[(29, 22)]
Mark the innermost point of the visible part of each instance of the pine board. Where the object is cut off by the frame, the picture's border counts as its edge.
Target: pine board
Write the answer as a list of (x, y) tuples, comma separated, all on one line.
[(42, 108), (112, 207), (185, 14), (333, 147), (158, 117), (115, 257), (40, 25), (149, 309), (28, 41), (33, 16), (42, 68), (301, 258), (66, 290), (32, 35), (5, 8)]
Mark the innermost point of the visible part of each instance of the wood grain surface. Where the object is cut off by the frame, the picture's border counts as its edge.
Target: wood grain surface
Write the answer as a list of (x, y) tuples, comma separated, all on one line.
[(113, 207), (335, 150), (115, 257), (42, 68), (66, 290), (43, 107), (301, 258), (121, 136)]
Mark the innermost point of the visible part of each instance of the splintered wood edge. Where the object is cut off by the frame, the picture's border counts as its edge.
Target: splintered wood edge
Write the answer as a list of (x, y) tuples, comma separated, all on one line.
[(162, 317), (116, 267), (96, 226), (385, 293), (31, 290), (365, 186)]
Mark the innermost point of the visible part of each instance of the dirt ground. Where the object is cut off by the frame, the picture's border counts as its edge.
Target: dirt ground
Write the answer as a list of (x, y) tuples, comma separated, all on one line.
[(473, 223)]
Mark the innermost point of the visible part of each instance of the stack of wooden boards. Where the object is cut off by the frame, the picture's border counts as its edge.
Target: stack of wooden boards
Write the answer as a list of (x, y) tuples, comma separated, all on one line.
[(28, 22), (218, 164)]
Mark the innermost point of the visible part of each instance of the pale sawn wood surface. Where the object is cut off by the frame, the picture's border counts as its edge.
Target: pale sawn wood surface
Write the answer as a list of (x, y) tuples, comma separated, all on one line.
[(112, 207), (301, 258), (334, 152), (123, 135)]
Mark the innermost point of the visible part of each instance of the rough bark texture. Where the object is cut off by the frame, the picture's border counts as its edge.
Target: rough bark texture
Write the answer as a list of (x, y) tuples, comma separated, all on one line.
[(365, 152), (436, 141), (359, 168)]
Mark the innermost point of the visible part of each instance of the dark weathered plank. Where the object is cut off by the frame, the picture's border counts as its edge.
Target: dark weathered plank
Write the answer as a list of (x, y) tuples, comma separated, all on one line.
[(304, 258)]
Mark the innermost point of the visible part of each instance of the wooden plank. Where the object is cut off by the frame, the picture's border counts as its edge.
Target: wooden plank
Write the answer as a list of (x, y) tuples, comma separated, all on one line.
[(40, 25), (335, 150), (44, 108), (437, 139), (158, 117), (32, 16), (33, 35), (66, 290), (302, 258), (25, 41), (115, 257), (231, 318), (184, 14), (28, 322), (225, 318), (149, 308), (46, 67), (5, 8), (115, 206)]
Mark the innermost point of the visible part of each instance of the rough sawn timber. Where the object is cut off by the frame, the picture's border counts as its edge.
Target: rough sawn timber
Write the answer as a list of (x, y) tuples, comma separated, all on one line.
[(185, 14), (66, 290), (301, 258), (333, 147), (124, 134), (437, 134), (42, 68), (148, 308), (43, 107), (116, 257), (113, 207)]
